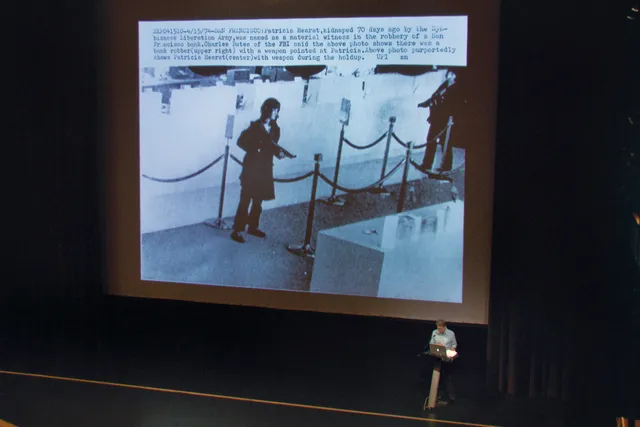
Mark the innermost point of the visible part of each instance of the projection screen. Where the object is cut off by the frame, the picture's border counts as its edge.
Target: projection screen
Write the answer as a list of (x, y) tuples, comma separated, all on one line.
[(302, 157)]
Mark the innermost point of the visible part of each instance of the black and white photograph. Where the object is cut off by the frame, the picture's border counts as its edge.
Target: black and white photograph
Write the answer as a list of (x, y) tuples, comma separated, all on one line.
[(336, 179)]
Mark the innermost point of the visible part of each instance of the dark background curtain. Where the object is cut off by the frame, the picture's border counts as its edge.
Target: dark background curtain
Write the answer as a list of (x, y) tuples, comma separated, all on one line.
[(563, 278), (562, 275)]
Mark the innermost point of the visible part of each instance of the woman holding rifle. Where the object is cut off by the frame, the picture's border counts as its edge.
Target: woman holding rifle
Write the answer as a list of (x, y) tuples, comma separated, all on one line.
[(260, 142)]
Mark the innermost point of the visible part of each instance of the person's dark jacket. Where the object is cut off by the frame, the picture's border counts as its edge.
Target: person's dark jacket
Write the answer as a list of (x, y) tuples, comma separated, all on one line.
[(257, 167)]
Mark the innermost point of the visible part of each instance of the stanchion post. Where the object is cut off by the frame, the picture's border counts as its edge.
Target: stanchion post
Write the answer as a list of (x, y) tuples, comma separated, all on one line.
[(345, 114), (380, 189), (312, 203), (305, 249), (392, 121), (333, 199), (445, 146), (405, 175), (224, 179), (219, 222)]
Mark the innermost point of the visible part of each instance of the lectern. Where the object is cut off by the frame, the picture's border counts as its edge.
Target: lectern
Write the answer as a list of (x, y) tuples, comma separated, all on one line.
[(442, 355)]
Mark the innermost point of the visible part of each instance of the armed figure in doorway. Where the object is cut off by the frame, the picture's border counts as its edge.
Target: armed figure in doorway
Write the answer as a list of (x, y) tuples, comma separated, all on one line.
[(443, 105)]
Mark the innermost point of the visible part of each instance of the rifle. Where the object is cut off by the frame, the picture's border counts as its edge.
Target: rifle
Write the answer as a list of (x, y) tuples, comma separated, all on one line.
[(437, 95), (242, 143), (284, 151)]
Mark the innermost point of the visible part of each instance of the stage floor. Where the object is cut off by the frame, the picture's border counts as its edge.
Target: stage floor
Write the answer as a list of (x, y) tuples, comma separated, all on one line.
[(56, 401), (183, 366)]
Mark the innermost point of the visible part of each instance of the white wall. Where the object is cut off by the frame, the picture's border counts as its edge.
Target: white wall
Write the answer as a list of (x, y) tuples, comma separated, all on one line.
[(193, 133)]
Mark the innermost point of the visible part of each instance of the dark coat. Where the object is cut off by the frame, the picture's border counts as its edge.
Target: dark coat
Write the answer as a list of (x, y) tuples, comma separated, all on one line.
[(445, 104), (257, 167), (452, 103)]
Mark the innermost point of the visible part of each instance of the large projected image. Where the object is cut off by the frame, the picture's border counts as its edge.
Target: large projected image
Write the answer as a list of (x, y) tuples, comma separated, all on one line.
[(313, 155)]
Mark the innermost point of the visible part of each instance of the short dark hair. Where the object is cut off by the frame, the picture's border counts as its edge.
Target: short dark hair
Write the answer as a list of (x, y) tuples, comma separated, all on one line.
[(441, 322)]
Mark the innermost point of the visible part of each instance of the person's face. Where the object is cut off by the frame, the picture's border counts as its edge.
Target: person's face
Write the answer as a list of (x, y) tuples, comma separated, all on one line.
[(441, 329), (274, 114)]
